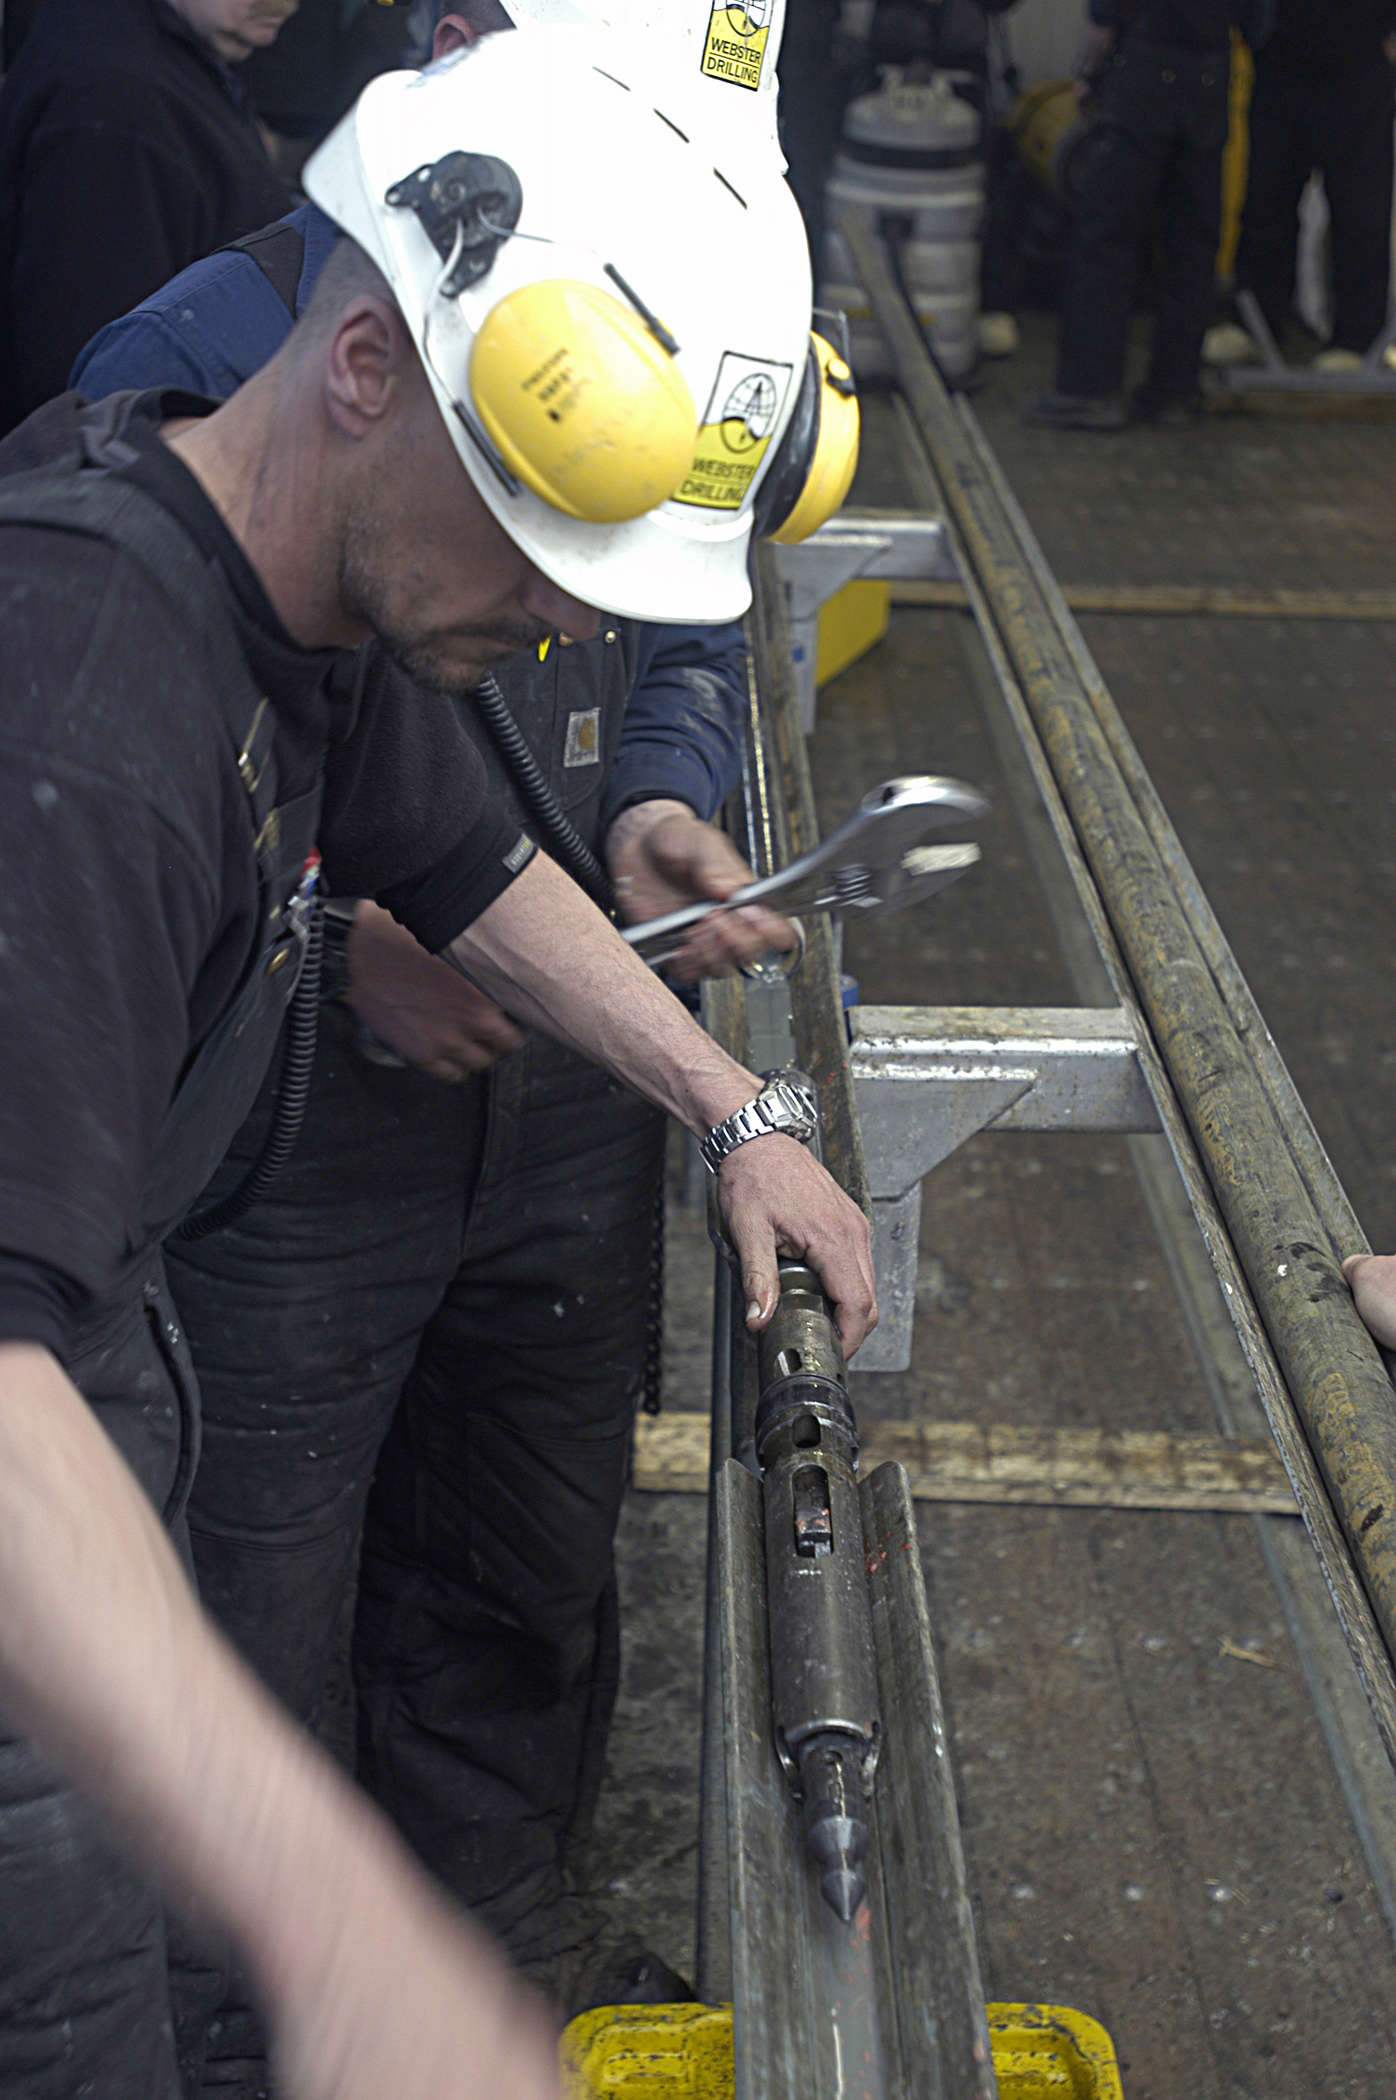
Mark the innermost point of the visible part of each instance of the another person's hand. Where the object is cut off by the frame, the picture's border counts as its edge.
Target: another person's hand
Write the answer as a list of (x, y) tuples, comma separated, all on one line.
[(776, 1199), (418, 1005), (661, 856), (1372, 1280)]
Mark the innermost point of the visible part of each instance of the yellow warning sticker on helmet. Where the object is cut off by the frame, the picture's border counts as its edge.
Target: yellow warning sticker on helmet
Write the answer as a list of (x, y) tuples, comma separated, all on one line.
[(743, 410), (735, 46)]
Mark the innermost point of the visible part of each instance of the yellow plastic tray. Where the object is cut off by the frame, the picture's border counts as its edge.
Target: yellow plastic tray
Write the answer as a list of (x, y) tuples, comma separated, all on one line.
[(1050, 2052), (684, 2052)]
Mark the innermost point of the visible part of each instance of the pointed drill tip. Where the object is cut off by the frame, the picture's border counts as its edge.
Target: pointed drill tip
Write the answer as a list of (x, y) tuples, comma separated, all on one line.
[(843, 1891)]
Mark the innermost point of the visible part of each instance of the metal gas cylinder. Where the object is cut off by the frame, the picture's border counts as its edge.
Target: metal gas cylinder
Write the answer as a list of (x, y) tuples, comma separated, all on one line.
[(910, 165)]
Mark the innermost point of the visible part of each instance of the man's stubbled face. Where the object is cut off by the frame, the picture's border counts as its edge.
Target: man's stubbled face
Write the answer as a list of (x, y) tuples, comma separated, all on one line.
[(429, 568)]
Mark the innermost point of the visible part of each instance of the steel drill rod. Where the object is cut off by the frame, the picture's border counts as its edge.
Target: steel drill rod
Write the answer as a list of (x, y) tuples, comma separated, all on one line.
[(815, 994), (1310, 1156), (1339, 1571), (1334, 1373), (823, 1676)]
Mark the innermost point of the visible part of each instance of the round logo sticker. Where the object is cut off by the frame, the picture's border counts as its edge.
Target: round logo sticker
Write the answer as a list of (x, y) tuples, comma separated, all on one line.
[(746, 20), (748, 412)]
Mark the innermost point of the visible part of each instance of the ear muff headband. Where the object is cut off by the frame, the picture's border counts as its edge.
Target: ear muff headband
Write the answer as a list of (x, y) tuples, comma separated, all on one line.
[(584, 405), (819, 452)]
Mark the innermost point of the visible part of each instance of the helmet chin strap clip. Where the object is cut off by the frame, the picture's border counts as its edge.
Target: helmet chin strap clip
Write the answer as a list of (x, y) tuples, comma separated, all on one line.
[(467, 203)]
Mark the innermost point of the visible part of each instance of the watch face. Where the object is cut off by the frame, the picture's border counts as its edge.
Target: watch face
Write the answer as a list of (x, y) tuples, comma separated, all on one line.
[(793, 1110)]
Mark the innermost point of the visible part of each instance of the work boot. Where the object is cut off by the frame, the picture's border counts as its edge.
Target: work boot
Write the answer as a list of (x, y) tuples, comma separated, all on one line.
[(998, 335), (1054, 411), (615, 1968), (1228, 344)]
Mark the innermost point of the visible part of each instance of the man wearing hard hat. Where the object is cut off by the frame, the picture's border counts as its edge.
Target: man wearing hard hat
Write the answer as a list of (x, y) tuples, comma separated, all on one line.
[(177, 733), (375, 1421)]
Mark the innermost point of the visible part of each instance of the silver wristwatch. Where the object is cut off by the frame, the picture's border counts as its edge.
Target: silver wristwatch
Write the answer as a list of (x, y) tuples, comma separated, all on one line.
[(785, 1105)]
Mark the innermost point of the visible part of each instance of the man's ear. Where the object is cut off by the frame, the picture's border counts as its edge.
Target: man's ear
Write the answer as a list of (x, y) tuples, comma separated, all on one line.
[(452, 33), (364, 364)]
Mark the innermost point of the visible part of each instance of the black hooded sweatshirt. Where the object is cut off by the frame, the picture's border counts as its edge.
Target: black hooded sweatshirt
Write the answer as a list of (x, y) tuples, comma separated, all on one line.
[(129, 907), (127, 151)]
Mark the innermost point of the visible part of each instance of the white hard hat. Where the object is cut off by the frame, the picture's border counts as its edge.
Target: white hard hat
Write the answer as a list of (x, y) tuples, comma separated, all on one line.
[(611, 301), (720, 57)]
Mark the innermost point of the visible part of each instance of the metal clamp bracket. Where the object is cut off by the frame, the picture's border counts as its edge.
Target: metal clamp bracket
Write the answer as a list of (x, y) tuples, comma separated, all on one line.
[(927, 1078), (893, 546)]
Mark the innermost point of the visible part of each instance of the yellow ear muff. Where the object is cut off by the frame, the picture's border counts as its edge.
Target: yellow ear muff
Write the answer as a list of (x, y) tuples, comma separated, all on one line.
[(835, 456), (583, 404)]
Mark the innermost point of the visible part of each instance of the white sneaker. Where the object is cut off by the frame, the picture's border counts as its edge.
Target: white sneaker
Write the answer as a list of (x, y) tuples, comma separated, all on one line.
[(1228, 344), (1338, 361), (998, 335)]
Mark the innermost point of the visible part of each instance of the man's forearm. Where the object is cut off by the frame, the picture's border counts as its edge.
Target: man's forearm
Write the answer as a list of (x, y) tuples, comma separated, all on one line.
[(374, 1983), (107, 1660), (551, 960)]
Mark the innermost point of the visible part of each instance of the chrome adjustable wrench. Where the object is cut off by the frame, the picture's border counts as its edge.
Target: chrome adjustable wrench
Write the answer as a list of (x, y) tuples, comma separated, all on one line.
[(879, 860)]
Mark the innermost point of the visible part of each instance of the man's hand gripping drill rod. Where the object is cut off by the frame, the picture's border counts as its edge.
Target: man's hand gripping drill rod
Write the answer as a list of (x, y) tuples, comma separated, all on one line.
[(823, 1686)]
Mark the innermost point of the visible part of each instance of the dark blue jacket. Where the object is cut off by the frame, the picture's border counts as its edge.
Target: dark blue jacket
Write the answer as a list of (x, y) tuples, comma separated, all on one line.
[(219, 321)]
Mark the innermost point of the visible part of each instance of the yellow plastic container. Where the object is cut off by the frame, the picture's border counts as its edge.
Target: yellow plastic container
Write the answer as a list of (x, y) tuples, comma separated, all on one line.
[(1049, 2052), (649, 2052), (684, 2052), (851, 623)]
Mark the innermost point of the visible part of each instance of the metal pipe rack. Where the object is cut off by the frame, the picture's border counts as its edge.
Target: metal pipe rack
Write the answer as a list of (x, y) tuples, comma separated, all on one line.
[(1170, 1051), (1264, 1193), (889, 2006)]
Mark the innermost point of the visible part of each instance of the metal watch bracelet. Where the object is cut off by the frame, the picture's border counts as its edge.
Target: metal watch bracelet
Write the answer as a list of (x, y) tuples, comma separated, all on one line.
[(785, 1107)]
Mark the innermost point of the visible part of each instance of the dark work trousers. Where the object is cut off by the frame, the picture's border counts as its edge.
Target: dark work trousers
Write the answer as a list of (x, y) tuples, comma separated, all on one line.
[(448, 1285), (102, 1992), (1342, 126), (1156, 165)]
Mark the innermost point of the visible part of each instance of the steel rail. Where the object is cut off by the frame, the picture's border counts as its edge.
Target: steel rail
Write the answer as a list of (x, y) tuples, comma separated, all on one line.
[(1102, 976), (1329, 1196), (815, 991), (891, 2006), (1331, 1367), (1326, 1637)]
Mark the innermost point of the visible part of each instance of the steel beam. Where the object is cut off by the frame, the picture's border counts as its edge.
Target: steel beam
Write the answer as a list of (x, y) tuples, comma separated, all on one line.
[(1374, 377), (928, 1078), (892, 2006), (878, 545)]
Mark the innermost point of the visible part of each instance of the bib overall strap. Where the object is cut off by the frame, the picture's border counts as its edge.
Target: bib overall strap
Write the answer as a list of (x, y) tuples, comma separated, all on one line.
[(101, 506)]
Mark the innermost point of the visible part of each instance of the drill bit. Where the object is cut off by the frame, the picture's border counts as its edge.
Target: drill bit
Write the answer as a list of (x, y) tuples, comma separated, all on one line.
[(836, 1834), (824, 1692)]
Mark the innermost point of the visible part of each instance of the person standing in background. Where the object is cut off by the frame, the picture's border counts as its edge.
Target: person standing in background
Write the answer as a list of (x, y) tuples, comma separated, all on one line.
[(1165, 70), (301, 85), (1325, 98), (127, 151)]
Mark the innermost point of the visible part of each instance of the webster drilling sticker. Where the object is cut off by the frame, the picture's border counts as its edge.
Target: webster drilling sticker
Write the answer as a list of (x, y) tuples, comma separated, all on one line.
[(742, 411), (735, 48)]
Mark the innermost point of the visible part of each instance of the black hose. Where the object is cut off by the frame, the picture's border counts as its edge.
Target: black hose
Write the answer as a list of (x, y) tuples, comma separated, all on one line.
[(292, 1092), (573, 853), (566, 843), (653, 1389)]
